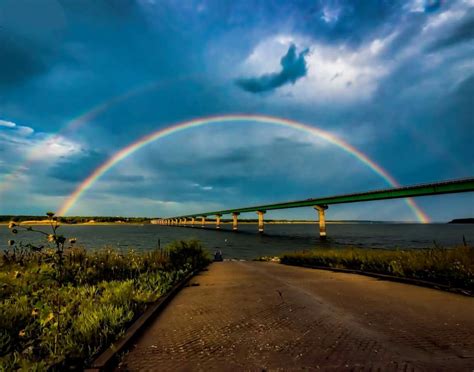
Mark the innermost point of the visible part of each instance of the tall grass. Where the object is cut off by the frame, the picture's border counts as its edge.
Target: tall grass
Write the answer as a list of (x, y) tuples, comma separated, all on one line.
[(46, 325), (453, 267)]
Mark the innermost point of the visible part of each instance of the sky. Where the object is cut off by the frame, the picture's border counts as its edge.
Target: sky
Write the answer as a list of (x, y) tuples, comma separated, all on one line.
[(80, 80)]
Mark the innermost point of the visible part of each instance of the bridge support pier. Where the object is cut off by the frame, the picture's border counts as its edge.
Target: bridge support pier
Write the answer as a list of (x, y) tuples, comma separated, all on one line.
[(260, 221), (185, 221), (218, 221), (203, 221), (235, 215), (192, 221), (322, 220)]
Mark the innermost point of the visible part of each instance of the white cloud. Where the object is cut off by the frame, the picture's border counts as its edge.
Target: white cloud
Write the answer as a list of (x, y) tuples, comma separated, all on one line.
[(335, 72), (55, 147), (330, 15), (448, 17), (205, 188), (14, 130), (8, 124), (23, 143), (416, 6), (24, 131)]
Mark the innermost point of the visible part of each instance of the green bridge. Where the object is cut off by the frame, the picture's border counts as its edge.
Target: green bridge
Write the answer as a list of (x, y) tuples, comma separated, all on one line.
[(321, 204)]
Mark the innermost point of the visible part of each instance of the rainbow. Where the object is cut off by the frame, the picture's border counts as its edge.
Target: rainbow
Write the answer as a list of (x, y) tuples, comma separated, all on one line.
[(36, 152), (221, 119)]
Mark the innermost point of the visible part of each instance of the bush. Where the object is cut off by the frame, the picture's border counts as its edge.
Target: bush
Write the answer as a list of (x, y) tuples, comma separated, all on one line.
[(453, 267), (59, 311)]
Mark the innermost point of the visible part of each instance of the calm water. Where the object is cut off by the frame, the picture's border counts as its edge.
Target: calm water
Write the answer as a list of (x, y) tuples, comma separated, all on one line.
[(247, 244)]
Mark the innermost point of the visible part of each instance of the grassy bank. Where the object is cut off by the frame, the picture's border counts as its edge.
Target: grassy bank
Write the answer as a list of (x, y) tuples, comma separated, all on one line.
[(453, 267), (59, 315)]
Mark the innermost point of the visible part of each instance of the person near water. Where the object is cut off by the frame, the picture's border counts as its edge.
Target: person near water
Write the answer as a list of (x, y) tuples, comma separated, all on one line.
[(218, 255)]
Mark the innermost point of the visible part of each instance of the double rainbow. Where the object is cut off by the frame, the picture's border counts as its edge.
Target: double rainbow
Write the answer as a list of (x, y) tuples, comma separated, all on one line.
[(222, 119)]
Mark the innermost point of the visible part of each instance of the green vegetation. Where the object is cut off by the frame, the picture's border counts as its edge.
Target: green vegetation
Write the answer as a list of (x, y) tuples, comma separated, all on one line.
[(61, 305), (78, 219), (453, 267)]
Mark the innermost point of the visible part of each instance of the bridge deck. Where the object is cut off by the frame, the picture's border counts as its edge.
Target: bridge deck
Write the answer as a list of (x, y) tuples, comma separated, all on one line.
[(262, 316), (454, 186)]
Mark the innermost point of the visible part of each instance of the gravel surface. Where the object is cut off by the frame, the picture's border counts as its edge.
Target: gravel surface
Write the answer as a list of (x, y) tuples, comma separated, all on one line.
[(256, 316)]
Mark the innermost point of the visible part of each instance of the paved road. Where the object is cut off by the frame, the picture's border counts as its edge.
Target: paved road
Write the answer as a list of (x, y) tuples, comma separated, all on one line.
[(263, 316)]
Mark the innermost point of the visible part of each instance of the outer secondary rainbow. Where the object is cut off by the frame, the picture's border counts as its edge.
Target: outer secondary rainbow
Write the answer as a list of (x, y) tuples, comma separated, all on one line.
[(36, 152), (164, 132)]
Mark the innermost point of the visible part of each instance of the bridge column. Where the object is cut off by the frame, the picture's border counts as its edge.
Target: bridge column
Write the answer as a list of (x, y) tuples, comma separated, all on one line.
[(260, 221), (218, 221), (192, 221), (203, 221), (185, 221), (322, 220), (234, 221)]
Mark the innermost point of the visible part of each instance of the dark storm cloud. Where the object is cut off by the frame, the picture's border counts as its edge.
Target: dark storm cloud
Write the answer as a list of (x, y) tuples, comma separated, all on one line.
[(77, 168), (18, 62), (29, 34), (293, 67), (108, 47), (102, 8), (464, 32), (432, 5)]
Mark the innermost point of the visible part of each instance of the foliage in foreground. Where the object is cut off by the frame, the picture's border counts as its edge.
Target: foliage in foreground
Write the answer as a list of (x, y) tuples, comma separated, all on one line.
[(453, 267), (60, 310)]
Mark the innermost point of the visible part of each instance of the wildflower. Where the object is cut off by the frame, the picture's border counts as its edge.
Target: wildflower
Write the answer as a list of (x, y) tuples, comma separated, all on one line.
[(51, 238), (34, 312), (49, 318), (14, 231), (11, 225), (11, 242), (22, 333)]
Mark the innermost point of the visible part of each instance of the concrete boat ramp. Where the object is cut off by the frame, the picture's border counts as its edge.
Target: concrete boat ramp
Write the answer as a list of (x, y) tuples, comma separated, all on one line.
[(255, 316)]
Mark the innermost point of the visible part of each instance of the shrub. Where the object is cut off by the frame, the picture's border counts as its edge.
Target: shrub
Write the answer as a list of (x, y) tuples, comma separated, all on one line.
[(59, 310), (453, 267)]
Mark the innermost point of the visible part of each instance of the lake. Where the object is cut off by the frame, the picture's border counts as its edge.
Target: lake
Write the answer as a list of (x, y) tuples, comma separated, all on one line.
[(248, 244)]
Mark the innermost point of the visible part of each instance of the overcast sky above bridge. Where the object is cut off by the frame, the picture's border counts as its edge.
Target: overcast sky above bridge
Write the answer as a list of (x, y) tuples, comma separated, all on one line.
[(393, 78)]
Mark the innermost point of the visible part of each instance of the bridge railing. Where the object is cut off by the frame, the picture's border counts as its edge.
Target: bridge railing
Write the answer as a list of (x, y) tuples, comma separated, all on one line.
[(321, 204)]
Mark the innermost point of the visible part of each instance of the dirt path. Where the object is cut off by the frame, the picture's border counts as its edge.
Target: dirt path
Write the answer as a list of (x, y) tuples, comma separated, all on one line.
[(263, 316)]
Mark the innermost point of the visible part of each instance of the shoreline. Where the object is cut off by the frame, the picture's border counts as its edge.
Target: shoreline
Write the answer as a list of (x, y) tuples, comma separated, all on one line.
[(198, 224)]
